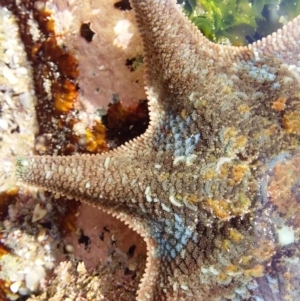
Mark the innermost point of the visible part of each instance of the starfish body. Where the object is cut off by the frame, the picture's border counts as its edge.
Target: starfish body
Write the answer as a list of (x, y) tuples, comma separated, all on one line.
[(207, 183)]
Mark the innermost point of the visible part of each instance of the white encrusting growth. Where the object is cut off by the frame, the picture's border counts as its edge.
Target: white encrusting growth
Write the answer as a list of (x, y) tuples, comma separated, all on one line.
[(165, 207), (174, 201), (107, 162), (286, 235), (48, 174)]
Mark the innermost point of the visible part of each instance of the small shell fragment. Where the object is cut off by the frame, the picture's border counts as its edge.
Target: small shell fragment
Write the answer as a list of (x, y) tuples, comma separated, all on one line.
[(38, 213)]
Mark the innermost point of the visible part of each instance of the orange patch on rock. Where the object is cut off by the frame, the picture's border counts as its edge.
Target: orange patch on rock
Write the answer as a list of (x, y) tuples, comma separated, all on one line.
[(240, 142), (256, 271), (291, 121), (220, 208), (284, 189), (279, 104), (208, 174), (226, 245), (231, 269), (223, 278), (192, 198), (96, 138), (264, 251), (235, 235), (65, 96), (244, 109), (238, 172)]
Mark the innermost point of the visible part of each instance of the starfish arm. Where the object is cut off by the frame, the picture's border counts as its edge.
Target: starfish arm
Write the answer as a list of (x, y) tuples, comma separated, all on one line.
[(90, 177), (177, 70), (284, 44)]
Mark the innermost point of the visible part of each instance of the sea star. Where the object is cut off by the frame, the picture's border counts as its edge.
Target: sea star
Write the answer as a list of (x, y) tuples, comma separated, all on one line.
[(206, 185)]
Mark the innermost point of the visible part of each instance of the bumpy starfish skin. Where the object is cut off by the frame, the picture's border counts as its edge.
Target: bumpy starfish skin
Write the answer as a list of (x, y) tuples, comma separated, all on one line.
[(203, 184)]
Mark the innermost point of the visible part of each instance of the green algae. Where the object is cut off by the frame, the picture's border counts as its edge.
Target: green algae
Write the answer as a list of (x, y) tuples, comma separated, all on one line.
[(239, 22)]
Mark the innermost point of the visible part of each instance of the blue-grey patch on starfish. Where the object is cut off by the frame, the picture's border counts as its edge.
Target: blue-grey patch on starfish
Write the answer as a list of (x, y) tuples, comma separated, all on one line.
[(170, 248)]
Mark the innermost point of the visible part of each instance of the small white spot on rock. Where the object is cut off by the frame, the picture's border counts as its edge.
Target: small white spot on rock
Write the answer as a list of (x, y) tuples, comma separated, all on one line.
[(165, 207), (123, 35), (184, 287), (48, 174), (15, 286), (174, 201), (106, 163), (33, 277), (87, 185), (3, 124), (286, 235), (38, 213)]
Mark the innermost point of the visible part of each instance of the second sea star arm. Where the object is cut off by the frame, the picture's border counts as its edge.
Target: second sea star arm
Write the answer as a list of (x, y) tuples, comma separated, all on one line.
[(179, 59), (284, 44), (87, 177)]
